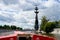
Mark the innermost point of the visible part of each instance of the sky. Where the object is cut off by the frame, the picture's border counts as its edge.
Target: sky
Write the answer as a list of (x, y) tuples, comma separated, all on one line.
[(21, 12)]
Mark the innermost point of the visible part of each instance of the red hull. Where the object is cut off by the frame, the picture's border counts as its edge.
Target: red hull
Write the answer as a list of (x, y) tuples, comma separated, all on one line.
[(9, 38), (36, 37)]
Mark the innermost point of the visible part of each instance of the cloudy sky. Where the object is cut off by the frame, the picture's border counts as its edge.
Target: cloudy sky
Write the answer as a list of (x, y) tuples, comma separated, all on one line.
[(21, 12)]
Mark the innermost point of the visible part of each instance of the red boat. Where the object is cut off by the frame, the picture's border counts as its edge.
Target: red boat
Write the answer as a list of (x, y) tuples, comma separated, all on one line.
[(18, 35)]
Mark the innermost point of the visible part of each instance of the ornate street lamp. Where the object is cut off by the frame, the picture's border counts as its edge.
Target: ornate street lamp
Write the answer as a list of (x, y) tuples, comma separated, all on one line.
[(36, 19)]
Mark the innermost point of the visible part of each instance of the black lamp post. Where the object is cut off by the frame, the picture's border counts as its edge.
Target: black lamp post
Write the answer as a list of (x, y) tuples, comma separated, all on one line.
[(36, 19)]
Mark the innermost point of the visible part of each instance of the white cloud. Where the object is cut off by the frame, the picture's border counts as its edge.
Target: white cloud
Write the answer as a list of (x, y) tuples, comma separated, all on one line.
[(22, 13), (49, 3)]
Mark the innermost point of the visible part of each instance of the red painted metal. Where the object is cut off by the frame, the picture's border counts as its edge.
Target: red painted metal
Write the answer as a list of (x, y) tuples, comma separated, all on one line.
[(9, 38), (37, 37)]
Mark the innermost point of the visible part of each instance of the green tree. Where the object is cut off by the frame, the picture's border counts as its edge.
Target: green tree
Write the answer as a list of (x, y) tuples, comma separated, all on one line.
[(49, 27), (57, 23), (1, 27), (18, 28), (6, 27), (44, 20), (13, 27)]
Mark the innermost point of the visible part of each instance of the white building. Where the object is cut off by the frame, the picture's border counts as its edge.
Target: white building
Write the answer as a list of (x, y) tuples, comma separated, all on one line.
[(56, 31)]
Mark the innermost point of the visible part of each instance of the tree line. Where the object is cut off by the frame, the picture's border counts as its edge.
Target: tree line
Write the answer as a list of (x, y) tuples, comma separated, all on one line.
[(12, 27), (47, 25)]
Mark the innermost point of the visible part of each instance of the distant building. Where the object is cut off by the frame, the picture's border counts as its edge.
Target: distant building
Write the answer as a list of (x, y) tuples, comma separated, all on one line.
[(56, 31)]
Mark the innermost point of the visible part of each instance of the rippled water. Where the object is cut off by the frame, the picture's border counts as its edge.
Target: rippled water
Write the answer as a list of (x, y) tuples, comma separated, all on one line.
[(7, 32)]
